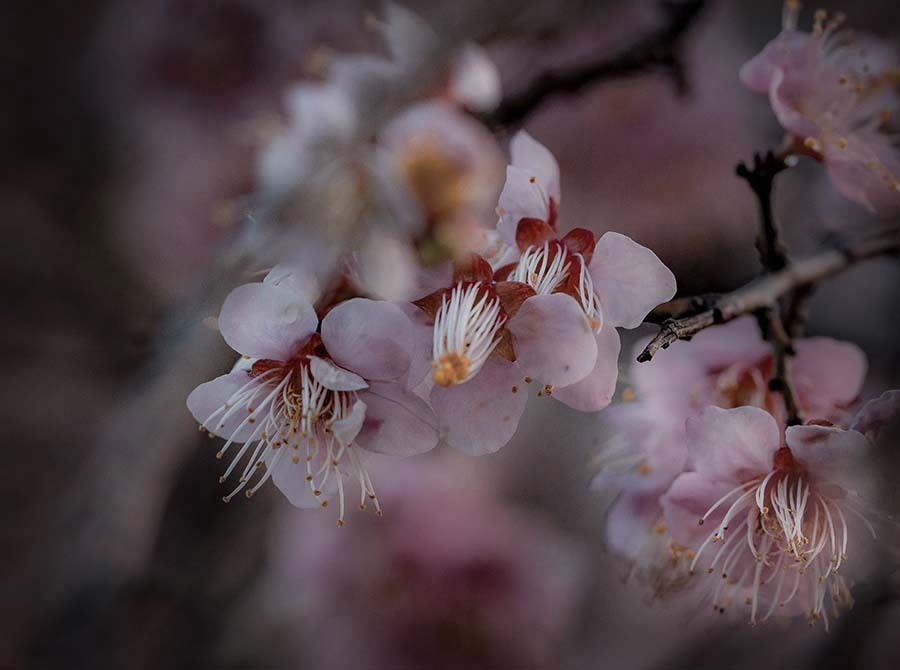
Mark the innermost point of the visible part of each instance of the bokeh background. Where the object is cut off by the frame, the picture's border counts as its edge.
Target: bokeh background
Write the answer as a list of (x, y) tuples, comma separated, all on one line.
[(128, 133)]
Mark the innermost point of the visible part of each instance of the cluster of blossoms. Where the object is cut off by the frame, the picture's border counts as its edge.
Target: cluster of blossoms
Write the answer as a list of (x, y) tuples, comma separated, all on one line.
[(469, 316), (714, 482), (436, 321), (836, 94)]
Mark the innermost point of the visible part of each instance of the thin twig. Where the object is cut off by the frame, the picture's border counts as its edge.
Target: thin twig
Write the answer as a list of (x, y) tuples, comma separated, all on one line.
[(660, 49), (761, 178), (774, 331), (680, 308), (764, 293)]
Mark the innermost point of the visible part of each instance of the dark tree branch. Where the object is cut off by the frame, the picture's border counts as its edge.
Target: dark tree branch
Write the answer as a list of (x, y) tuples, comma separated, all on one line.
[(659, 50), (774, 331), (680, 308), (775, 328), (765, 292), (761, 178)]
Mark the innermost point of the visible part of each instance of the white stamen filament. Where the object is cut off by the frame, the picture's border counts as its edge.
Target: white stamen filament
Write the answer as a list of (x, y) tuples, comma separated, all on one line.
[(545, 272), (785, 525), (288, 407), (466, 331)]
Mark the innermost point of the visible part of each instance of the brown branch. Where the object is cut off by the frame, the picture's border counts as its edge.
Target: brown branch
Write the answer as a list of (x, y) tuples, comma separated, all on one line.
[(761, 178), (765, 292), (774, 331), (660, 49)]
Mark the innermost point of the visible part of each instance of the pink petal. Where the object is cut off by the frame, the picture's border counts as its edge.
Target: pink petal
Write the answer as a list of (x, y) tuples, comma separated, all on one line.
[(422, 333), (672, 384), (521, 198), (296, 278), (685, 503), (212, 396), (475, 81), (831, 454), (398, 422), (333, 377), (482, 414), (852, 174), (595, 391), (629, 279), (789, 51), (345, 430), (530, 155), (878, 414), (553, 339), (738, 341), (732, 445), (827, 374), (290, 478), (658, 447), (266, 321), (785, 98), (370, 337), (629, 523)]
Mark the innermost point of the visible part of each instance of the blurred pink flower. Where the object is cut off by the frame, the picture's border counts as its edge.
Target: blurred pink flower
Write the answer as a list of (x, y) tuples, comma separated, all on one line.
[(726, 366), (315, 393), (787, 511), (455, 577), (834, 96), (731, 365)]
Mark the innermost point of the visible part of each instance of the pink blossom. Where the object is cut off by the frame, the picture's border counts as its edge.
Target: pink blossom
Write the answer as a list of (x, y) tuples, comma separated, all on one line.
[(833, 96), (442, 168), (726, 366), (548, 315), (309, 400), (731, 365), (777, 517), (455, 577)]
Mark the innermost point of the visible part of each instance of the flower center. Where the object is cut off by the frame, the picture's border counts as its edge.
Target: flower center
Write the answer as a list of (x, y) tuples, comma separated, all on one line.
[(439, 183), (287, 410), (549, 268), (778, 533), (466, 329), (451, 369)]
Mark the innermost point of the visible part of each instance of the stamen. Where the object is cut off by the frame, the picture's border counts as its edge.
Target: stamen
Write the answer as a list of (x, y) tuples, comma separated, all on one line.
[(465, 333)]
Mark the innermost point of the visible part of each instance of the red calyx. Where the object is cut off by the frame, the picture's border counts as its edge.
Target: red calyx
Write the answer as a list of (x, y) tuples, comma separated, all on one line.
[(312, 347)]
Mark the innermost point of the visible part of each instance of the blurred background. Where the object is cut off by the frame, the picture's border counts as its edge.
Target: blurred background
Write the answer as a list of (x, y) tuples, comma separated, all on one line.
[(129, 131)]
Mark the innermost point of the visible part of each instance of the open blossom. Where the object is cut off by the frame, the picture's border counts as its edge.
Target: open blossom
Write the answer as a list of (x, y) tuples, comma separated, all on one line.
[(726, 366), (548, 315), (776, 516), (613, 281), (311, 399), (458, 577), (834, 96)]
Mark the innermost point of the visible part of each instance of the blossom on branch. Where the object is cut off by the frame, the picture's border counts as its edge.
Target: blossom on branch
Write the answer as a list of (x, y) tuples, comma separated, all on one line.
[(835, 95), (777, 517), (548, 315), (309, 400)]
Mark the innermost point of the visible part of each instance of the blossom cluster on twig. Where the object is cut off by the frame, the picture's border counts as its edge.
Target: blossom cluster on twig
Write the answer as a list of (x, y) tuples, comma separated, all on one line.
[(412, 316)]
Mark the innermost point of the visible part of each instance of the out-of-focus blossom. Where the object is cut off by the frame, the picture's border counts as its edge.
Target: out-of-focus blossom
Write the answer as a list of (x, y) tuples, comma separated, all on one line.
[(308, 400), (731, 366), (443, 170), (835, 95), (776, 517), (726, 366), (454, 577), (475, 80)]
